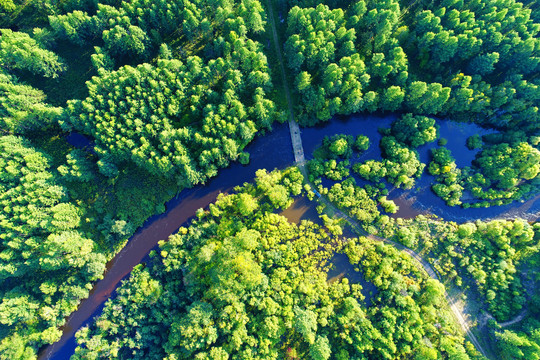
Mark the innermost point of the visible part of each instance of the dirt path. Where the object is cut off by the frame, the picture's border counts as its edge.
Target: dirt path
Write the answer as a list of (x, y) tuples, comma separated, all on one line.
[(508, 323), (298, 149), (432, 273), (515, 320)]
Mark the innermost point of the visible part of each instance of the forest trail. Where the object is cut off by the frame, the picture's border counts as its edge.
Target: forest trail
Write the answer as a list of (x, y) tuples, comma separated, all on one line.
[(298, 149), (460, 316), (300, 162), (505, 324), (515, 320)]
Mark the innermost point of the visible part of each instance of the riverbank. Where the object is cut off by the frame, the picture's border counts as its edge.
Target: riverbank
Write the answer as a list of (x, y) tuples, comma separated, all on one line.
[(274, 150)]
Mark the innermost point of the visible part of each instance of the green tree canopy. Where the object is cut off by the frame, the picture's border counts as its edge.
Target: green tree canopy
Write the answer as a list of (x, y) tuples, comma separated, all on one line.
[(19, 51)]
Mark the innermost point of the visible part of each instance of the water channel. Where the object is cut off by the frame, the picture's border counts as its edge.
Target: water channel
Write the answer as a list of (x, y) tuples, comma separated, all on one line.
[(420, 199), (274, 150)]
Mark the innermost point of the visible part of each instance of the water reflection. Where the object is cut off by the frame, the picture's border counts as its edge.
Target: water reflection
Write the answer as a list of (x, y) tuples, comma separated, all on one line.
[(420, 199), (275, 151), (342, 267), (271, 151), (302, 209)]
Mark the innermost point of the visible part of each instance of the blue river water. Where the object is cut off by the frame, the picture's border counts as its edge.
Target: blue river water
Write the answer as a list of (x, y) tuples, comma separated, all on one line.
[(274, 150)]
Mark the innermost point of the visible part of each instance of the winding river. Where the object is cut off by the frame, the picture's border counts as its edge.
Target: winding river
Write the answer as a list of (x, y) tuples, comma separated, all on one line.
[(274, 151)]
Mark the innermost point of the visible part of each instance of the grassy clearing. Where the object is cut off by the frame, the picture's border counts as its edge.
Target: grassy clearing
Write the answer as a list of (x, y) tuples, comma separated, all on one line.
[(280, 13), (267, 40), (72, 83)]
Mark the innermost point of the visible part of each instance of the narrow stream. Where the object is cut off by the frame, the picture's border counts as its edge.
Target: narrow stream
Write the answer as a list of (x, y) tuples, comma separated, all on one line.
[(271, 151)]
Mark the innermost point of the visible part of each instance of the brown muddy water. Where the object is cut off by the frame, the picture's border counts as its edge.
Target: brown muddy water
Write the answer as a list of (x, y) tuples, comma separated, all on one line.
[(341, 267), (302, 209), (275, 151), (271, 151)]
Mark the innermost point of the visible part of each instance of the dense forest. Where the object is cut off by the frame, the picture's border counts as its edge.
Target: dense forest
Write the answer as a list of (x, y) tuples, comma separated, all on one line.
[(175, 92), (47, 261), (242, 282), (495, 261), (109, 109), (471, 61), (180, 119), (521, 340)]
